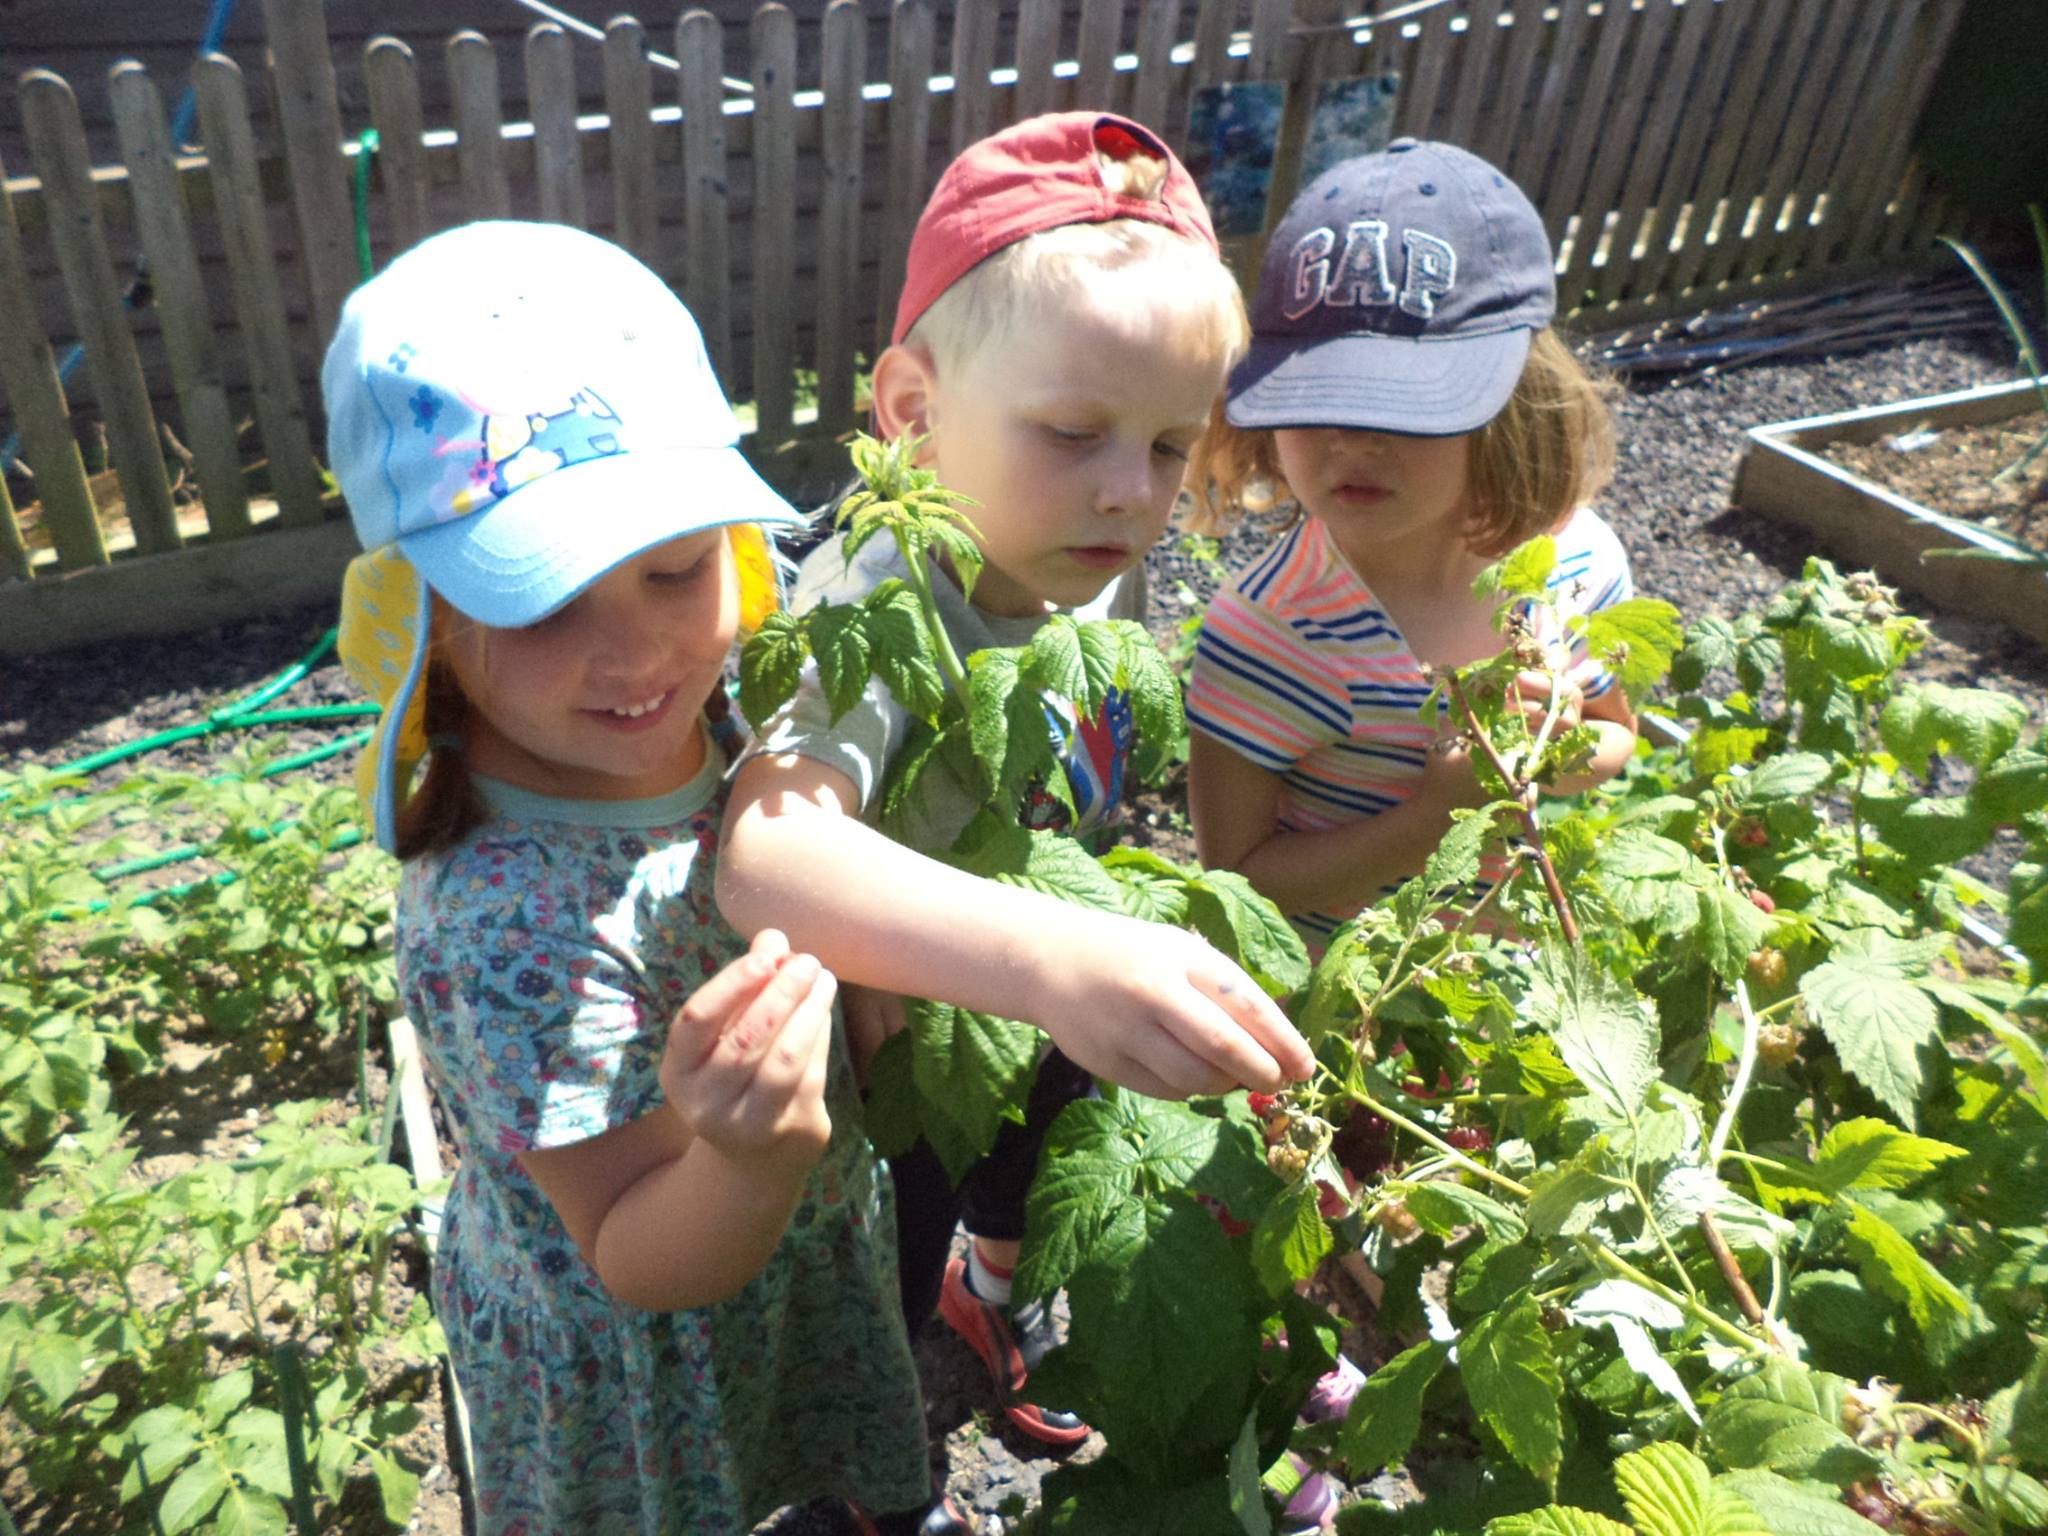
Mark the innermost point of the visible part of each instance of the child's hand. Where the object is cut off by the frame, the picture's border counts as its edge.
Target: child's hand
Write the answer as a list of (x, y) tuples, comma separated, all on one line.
[(1158, 1010), (747, 1054), (872, 1016)]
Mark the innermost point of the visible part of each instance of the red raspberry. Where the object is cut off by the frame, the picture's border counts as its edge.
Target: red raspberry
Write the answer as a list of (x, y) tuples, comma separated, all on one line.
[(1261, 1104), (1469, 1138), (1761, 900)]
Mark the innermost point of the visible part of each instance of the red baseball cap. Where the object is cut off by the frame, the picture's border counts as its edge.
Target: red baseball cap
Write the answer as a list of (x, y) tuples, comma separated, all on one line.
[(1042, 173)]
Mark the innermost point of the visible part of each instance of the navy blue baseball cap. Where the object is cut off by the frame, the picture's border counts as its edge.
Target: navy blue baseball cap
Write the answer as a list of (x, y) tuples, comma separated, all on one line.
[(1399, 294)]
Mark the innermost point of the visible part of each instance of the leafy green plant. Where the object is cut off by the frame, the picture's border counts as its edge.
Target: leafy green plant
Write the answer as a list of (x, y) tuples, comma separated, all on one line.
[(1658, 1142), (146, 1346)]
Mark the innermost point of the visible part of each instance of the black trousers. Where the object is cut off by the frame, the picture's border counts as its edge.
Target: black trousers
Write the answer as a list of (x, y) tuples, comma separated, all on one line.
[(989, 1200)]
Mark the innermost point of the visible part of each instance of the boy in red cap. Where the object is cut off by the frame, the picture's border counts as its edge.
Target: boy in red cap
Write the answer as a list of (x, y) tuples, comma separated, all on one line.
[(1064, 328)]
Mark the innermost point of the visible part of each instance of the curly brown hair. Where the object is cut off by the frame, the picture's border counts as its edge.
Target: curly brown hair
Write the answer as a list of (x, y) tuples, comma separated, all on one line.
[(1548, 452)]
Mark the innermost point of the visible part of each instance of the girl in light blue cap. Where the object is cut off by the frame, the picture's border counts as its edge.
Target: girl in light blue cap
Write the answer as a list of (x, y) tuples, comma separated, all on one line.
[(667, 1273)]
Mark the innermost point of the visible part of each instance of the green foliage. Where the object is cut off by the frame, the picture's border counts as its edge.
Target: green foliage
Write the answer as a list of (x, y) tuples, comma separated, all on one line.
[(160, 1333), (1738, 1039)]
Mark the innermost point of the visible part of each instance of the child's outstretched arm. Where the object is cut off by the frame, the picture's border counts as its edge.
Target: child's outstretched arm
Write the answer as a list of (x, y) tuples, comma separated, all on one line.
[(1153, 1008), (683, 1206)]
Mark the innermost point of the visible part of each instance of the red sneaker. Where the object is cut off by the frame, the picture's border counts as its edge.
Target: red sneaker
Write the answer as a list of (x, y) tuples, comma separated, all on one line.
[(1004, 1345)]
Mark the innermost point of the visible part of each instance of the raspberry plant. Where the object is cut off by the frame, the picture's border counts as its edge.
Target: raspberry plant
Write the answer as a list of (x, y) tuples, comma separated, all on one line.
[(1657, 1147)]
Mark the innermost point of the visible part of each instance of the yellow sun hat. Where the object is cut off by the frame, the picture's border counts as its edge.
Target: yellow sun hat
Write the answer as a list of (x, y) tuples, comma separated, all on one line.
[(515, 410)]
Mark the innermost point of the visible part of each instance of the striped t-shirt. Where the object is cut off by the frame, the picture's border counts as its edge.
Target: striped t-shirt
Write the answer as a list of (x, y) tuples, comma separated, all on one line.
[(1300, 669)]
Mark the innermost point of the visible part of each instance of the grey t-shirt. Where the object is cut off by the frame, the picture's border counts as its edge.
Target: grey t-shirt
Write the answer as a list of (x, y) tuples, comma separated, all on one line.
[(861, 743)]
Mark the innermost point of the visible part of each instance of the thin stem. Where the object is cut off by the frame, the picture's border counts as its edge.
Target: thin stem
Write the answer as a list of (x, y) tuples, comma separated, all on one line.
[(1657, 1230), (919, 573), (1614, 1263), (1745, 1064), (1443, 1148), (1525, 794), (1733, 1277)]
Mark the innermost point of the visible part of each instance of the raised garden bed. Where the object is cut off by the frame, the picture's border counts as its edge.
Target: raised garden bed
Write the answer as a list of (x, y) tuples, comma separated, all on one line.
[(1787, 473)]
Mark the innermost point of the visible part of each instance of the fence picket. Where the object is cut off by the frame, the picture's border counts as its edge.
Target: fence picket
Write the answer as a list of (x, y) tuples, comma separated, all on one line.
[(1621, 143), (1564, 194), (1157, 25), (181, 303), (629, 102), (1852, 95), (14, 559), (1480, 44), (1038, 43), (1272, 54), (974, 57), (1661, 228), (309, 108), (1422, 86), (1768, 127), (1529, 166), (1101, 38), (1214, 20), (35, 395), (231, 168), (774, 268), (1773, 23), (841, 146), (1929, 32), (1501, 120), (394, 83), (1832, 57), (56, 143), (479, 127), (551, 102), (707, 263), (910, 118)]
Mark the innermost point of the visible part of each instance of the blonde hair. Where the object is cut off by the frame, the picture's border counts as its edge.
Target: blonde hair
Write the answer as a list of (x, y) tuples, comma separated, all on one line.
[(1548, 452), (1116, 263)]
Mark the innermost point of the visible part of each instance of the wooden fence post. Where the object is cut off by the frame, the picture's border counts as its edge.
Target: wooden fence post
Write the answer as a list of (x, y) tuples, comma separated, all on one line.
[(707, 271), (1038, 45), (841, 145), (182, 307), (551, 103), (1157, 25), (310, 111), (910, 129), (14, 560), (1101, 33), (974, 56), (56, 142), (35, 394), (774, 78), (629, 100), (394, 83), (479, 125), (259, 303), (1212, 48)]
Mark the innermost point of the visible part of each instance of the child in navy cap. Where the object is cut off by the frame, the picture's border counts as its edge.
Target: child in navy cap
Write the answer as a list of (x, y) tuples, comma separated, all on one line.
[(1405, 391)]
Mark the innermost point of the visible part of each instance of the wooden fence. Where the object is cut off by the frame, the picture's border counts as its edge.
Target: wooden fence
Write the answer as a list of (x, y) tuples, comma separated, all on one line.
[(1680, 150)]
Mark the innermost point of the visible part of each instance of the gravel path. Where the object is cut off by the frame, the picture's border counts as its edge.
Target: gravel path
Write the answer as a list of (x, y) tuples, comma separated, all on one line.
[(1680, 445)]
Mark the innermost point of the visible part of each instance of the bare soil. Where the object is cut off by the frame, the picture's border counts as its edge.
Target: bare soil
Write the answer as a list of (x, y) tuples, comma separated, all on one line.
[(1955, 471)]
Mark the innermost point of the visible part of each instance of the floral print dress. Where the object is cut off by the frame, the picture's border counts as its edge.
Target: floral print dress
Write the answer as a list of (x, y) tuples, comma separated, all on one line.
[(541, 959)]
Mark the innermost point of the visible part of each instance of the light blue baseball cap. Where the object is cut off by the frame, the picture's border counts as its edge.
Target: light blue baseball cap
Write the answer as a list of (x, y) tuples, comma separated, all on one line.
[(520, 408)]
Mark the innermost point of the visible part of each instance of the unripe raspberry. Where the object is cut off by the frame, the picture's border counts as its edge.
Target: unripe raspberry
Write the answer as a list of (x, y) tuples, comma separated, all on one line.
[(1778, 1044), (1287, 1162), (1397, 1221), (1761, 900), (1277, 1126), (1767, 967)]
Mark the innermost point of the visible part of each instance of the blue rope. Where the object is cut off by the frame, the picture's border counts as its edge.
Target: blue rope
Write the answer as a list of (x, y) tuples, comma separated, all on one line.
[(138, 291)]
